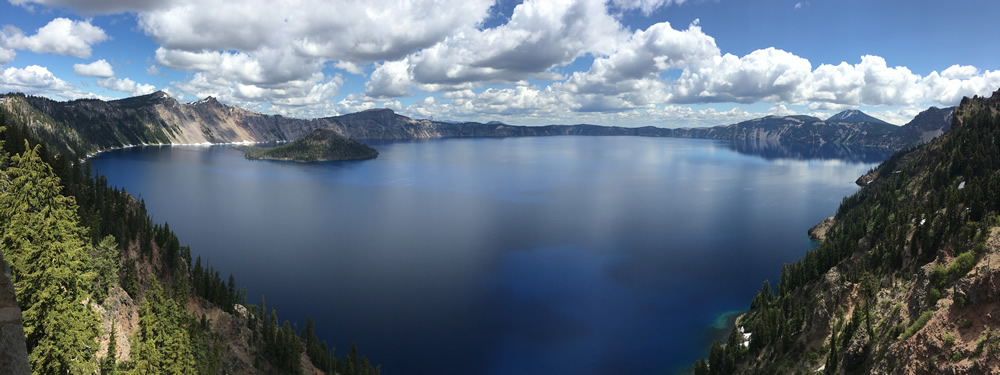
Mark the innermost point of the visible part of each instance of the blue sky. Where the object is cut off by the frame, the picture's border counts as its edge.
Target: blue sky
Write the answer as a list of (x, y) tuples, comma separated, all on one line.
[(669, 63)]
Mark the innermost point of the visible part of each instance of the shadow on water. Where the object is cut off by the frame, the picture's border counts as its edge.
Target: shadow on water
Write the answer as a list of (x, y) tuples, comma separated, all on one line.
[(773, 150)]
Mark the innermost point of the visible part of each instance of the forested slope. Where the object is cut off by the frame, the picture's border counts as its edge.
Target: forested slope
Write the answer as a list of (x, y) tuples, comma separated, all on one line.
[(87, 260), (906, 281)]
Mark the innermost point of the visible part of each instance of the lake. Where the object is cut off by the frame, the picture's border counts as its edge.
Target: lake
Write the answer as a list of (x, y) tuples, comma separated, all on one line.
[(583, 255)]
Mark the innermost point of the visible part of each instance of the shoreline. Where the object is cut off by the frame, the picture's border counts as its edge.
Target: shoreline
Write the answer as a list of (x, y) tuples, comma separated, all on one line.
[(203, 144)]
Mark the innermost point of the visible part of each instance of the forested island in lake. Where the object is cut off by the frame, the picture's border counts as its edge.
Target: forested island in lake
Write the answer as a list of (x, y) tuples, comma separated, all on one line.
[(320, 145)]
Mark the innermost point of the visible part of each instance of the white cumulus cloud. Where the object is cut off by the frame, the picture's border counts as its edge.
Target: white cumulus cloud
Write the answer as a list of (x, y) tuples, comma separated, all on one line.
[(355, 31), (38, 80), (390, 79), (96, 6), (539, 36), (100, 68), (646, 6), (6, 55), (763, 75), (126, 85), (60, 36)]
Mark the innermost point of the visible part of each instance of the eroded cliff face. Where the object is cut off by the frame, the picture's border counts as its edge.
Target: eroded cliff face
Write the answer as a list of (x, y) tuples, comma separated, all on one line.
[(87, 126)]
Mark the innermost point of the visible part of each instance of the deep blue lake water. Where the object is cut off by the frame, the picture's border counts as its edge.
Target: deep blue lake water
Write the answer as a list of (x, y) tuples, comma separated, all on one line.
[(583, 255)]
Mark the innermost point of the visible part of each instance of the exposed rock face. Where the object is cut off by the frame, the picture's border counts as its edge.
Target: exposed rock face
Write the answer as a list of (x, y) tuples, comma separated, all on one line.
[(88, 125), (857, 349), (120, 310), (818, 232), (13, 350), (238, 355), (927, 125), (866, 178)]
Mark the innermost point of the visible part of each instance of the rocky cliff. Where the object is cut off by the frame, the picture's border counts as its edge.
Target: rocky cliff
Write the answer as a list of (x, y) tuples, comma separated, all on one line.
[(87, 125)]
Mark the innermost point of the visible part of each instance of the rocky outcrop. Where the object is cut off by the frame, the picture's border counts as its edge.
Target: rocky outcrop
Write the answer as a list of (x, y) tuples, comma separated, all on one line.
[(120, 311), (13, 350), (818, 231), (857, 350), (926, 126)]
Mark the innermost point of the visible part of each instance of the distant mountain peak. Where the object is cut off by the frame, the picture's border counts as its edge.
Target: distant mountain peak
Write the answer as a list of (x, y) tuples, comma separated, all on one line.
[(158, 97), (208, 100), (854, 116)]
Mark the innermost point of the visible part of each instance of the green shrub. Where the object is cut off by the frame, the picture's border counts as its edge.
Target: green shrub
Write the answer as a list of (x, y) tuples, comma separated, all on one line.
[(917, 325), (980, 248), (960, 301), (933, 296), (940, 275), (982, 341), (949, 338), (813, 358), (963, 264)]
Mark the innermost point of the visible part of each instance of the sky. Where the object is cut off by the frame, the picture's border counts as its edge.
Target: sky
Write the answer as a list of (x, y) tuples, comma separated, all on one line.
[(667, 63)]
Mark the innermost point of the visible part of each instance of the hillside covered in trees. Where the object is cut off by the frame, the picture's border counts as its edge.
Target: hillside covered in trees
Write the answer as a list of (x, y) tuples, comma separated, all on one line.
[(320, 145), (906, 280), (104, 289)]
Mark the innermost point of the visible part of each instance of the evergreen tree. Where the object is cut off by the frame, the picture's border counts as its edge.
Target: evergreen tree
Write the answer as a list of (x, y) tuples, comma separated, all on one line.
[(700, 367), (109, 365), (164, 344), (43, 241), (105, 266), (3, 151), (353, 360)]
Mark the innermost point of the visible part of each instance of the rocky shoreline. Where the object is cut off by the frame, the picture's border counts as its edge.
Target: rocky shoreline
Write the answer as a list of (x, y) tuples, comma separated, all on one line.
[(818, 231)]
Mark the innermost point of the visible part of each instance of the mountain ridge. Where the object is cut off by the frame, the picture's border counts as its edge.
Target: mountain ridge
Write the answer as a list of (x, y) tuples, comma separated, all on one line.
[(86, 126)]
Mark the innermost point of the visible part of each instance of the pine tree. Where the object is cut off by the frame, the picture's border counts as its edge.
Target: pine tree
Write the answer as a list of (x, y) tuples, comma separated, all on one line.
[(109, 365), (3, 151), (700, 367), (105, 266), (52, 273), (164, 344)]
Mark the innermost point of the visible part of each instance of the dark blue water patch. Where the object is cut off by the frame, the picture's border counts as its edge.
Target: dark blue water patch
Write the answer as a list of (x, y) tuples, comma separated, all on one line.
[(587, 255)]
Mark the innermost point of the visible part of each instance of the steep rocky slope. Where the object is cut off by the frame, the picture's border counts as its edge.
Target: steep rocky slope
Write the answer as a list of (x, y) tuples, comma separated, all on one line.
[(86, 126), (907, 278)]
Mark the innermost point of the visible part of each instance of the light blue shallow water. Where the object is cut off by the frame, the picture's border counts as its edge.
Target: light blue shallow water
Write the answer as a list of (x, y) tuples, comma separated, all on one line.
[(586, 255)]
